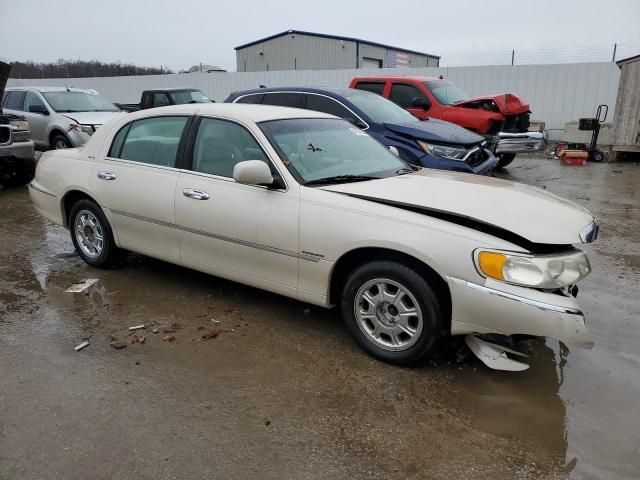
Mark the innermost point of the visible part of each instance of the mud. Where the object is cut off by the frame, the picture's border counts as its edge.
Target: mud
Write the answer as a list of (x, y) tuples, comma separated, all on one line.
[(281, 391)]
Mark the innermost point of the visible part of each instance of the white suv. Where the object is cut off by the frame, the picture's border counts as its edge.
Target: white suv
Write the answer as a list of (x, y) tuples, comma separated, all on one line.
[(59, 117)]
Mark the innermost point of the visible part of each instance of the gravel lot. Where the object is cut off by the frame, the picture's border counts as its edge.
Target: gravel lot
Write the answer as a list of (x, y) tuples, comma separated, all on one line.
[(282, 391)]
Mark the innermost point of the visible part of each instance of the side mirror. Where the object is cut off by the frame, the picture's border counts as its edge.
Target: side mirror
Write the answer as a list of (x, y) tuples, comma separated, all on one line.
[(252, 172), (38, 109), (421, 102)]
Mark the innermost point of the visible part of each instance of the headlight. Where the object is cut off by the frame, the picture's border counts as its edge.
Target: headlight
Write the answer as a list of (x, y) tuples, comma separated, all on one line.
[(538, 271), (19, 125), (444, 151), (88, 129)]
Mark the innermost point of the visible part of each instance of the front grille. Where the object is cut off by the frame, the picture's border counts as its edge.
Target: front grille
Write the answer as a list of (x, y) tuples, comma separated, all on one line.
[(517, 123), (5, 134)]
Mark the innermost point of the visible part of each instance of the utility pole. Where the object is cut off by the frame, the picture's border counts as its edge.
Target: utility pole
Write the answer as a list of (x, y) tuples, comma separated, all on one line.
[(513, 54), (615, 47)]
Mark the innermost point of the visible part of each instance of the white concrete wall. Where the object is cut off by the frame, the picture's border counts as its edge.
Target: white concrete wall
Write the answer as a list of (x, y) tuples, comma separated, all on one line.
[(557, 93)]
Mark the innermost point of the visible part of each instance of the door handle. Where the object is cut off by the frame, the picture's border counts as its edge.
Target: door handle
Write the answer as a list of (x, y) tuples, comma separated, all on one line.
[(107, 175), (195, 194)]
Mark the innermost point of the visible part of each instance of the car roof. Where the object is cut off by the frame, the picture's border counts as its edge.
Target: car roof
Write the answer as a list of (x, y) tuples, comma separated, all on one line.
[(237, 111), (171, 89), (416, 78), (336, 92), (51, 89)]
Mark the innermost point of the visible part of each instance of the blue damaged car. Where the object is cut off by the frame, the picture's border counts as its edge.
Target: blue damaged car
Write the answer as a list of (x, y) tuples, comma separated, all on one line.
[(427, 143)]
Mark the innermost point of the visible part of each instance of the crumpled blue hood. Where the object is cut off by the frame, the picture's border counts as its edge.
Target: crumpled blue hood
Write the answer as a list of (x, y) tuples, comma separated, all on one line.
[(438, 131)]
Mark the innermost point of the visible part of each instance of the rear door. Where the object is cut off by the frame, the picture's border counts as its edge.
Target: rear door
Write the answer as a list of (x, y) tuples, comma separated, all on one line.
[(136, 184)]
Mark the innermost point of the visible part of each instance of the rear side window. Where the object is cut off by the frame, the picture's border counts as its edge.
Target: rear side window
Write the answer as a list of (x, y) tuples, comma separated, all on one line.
[(255, 98), (283, 99), (402, 94), (14, 100), (327, 105), (152, 140), (373, 87)]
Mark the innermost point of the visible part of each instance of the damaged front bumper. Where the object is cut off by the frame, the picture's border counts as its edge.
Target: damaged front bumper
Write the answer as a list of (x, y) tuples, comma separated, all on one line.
[(498, 308), (520, 142)]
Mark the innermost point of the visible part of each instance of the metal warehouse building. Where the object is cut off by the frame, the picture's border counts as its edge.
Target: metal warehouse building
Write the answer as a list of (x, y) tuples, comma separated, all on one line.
[(297, 50)]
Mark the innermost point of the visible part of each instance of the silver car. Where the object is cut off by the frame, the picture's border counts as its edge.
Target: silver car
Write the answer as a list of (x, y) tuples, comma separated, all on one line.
[(59, 117)]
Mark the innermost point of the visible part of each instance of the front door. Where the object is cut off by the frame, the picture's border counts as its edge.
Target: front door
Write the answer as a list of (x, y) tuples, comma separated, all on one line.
[(135, 185), (243, 232), (37, 121)]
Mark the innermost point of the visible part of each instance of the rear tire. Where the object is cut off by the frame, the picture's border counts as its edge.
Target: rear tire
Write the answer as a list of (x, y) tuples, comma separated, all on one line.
[(392, 313), (91, 234), (505, 159)]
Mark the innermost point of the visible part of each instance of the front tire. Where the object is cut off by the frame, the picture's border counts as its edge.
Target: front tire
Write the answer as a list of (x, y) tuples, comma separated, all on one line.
[(505, 159), (91, 234), (59, 142), (392, 313), (17, 174)]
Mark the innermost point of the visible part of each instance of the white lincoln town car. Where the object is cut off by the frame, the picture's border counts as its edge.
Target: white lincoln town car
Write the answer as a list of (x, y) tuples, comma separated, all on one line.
[(307, 205)]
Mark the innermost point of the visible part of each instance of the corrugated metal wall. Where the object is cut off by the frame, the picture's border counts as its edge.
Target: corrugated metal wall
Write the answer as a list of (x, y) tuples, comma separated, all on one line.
[(556, 93), (297, 51)]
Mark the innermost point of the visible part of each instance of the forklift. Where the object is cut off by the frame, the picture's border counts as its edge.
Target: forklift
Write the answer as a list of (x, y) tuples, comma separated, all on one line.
[(592, 124)]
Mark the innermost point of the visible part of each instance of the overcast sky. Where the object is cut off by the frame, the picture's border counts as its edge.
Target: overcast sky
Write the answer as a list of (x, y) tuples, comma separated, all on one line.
[(181, 33)]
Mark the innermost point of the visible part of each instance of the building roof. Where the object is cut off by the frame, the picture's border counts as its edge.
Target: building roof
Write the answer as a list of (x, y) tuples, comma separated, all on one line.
[(627, 60), (334, 37)]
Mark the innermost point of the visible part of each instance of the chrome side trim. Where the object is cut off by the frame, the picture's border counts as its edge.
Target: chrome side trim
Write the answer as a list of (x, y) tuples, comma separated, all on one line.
[(311, 257), (42, 190), (527, 301)]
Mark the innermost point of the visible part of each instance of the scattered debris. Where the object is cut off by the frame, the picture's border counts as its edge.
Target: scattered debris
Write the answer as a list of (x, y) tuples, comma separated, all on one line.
[(174, 327), (138, 362), (155, 330), (209, 334), (267, 423), (169, 338), (117, 344), (81, 346), (495, 356), (137, 327), (82, 286), (138, 339), (215, 321)]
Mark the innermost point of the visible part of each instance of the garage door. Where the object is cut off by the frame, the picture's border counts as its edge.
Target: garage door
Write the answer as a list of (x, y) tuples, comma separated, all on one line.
[(368, 62)]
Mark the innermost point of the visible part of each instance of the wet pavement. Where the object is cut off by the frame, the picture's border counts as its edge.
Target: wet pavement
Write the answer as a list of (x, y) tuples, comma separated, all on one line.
[(282, 391)]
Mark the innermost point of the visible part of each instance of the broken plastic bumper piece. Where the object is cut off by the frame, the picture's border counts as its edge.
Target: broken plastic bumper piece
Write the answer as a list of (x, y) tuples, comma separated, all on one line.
[(497, 357)]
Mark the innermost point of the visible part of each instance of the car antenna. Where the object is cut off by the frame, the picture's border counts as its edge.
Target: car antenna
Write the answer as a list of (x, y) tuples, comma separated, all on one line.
[(263, 86), (441, 77)]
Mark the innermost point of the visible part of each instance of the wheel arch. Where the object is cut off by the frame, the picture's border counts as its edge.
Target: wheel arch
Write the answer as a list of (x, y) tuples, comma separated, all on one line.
[(69, 199), (56, 131), (356, 257)]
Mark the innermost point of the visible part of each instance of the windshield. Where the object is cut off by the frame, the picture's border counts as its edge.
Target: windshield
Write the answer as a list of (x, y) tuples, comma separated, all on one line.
[(188, 96), (446, 92), (379, 109), (319, 148), (78, 102)]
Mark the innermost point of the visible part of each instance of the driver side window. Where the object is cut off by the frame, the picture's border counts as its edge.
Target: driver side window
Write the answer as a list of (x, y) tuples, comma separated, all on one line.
[(402, 94), (221, 144)]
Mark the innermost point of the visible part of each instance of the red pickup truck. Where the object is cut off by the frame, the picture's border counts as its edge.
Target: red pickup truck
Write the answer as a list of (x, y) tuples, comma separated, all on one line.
[(502, 118)]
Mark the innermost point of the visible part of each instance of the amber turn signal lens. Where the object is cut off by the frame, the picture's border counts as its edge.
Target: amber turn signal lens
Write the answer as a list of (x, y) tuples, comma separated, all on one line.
[(491, 264)]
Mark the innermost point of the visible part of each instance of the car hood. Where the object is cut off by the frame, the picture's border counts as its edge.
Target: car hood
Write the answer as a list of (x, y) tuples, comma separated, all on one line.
[(507, 103), (434, 130), (92, 118), (485, 203)]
